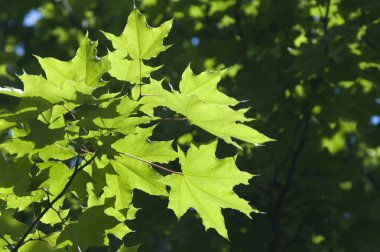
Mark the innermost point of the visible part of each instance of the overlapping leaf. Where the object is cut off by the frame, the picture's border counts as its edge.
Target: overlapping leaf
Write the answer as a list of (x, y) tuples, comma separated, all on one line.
[(86, 233), (132, 169), (206, 184), (209, 113), (60, 122), (139, 42), (86, 67)]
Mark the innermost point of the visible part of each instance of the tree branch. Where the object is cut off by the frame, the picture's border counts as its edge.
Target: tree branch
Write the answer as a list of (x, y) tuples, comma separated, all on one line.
[(326, 18), (9, 244), (302, 128), (50, 205)]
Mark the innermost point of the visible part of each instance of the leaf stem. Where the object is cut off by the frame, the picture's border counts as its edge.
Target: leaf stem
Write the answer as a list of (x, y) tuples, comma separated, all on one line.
[(152, 164), (71, 113), (140, 95), (172, 119), (50, 205)]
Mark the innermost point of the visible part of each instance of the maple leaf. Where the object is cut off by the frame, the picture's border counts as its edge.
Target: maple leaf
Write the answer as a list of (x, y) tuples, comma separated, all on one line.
[(85, 67), (204, 86), (105, 223), (140, 146), (128, 70), (133, 169), (72, 81), (218, 119), (139, 40), (206, 184), (74, 140), (15, 175), (132, 174)]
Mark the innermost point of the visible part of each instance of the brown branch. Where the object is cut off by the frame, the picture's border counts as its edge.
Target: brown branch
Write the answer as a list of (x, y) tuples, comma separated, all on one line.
[(50, 205)]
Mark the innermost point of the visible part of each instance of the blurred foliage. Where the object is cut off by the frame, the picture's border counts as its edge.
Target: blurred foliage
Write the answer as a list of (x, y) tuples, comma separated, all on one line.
[(310, 71)]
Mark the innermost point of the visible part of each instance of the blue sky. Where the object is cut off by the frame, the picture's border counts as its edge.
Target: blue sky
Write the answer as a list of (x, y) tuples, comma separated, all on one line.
[(32, 17)]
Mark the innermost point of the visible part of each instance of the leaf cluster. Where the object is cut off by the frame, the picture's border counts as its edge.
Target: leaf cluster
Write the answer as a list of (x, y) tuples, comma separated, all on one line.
[(79, 145)]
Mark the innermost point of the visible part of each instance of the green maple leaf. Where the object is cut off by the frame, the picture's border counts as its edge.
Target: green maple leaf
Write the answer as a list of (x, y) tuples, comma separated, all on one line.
[(4, 124), (218, 119), (206, 184), (126, 155), (54, 115), (53, 216), (132, 174), (129, 249), (17, 147), (8, 224), (38, 134), (65, 81), (41, 242), (58, 174), (115, 115), (132, 171), (20, 203), (72, 80), (85, 67), (91, 230), (15, 175), (58, 150), (36, 86), (139, 40), (128, 70), (204, 86), (140, 146)]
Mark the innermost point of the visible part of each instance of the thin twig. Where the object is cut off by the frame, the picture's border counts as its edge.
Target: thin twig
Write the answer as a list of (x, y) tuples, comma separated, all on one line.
[(42, 238), (140, 84), (326, 17), (69, 111), (50, 205), (9, 244)]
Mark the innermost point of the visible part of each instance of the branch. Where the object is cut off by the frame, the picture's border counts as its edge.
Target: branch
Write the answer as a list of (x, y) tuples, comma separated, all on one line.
[(293, 164), (9, 244), (50, 205), (299, 140), (326, 18)]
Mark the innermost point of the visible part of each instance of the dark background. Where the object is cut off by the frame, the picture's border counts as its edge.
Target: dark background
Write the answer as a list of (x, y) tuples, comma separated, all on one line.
[(309, 70)]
